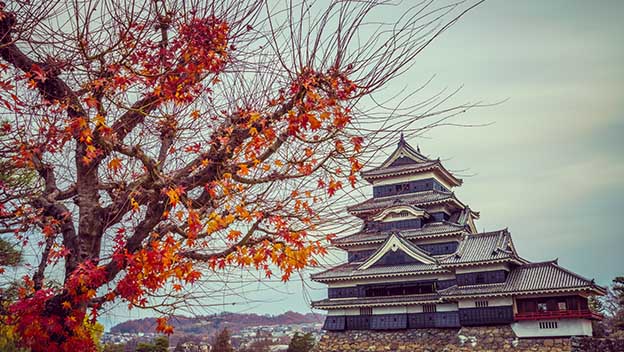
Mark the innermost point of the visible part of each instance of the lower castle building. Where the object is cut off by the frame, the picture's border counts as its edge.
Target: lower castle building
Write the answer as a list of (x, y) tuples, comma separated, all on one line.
[(419, 262)]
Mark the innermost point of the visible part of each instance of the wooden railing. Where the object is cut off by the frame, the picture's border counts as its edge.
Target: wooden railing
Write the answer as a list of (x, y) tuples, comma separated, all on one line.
[(558, 314)]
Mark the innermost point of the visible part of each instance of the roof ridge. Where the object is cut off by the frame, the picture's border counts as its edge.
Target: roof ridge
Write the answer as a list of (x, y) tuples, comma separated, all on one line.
[(491, 233), (555, 263), (540, 263)]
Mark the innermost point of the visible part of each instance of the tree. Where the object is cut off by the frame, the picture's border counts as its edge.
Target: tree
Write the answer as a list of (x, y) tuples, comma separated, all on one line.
[(611, 306), (263, 345), (114, 347), (9, 256), (301, 342), (222, 342), (615, 304), (160, 344), (172, 139)]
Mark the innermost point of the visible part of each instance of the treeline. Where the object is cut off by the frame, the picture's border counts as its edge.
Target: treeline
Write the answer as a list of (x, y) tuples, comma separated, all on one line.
[(213, 323)]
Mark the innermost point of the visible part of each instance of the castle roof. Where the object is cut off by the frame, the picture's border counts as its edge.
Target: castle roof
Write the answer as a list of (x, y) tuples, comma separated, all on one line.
[(529, 278), (474, 249), (394, 243), (483, 248), (431, 230), (405, 160), (351, 271), (419, 199)]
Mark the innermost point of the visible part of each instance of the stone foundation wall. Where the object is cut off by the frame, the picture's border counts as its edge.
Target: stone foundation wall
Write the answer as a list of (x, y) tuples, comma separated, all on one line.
[(491, 338), (589, 344)]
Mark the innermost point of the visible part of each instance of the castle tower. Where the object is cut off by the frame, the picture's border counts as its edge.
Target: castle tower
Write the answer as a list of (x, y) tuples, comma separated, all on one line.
[(419, 262)]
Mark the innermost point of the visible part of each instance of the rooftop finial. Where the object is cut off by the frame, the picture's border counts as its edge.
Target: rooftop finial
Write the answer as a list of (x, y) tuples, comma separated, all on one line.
[(417, 148), (402, 139)]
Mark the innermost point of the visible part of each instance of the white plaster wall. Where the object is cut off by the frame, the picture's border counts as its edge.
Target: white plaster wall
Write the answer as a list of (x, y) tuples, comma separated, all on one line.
[(346, 311), (476, 268), (336, 312), (415, 308), (390, 310), (492, 302), (446, 307), (565, 327)]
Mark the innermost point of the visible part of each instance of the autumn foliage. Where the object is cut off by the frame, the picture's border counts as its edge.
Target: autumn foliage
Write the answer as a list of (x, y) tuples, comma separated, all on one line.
[(170, 140)]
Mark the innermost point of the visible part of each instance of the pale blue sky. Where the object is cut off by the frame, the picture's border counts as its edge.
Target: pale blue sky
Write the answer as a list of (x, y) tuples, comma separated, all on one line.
[(550, 167)]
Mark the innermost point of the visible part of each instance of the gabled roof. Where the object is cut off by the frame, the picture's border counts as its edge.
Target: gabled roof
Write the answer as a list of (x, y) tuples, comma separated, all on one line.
[(405, 154), (419, 199), (410, 169), (407, 160), (395, 243), (530, 278), (474, 249), (398, 207), (431, 230), (495, 246)]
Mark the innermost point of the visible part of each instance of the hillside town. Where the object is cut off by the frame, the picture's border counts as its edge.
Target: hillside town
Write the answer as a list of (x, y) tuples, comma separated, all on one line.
[(269, 338)]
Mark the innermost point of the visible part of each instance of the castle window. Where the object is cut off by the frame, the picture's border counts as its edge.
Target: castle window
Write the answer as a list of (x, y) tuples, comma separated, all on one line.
[(404, 187), (481, 304), (547, 324), (542, 307), (366, 311), (429, 308), (562, 305)]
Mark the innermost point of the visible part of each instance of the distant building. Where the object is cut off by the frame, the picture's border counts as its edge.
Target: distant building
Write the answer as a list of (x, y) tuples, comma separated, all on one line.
[(418, 261)]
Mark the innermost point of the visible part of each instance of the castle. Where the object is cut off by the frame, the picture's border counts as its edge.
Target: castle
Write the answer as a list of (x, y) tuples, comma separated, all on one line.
[(418, 262)]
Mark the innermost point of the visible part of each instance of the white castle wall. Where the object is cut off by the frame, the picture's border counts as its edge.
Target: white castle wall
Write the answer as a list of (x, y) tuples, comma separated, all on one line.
[(565, 327)]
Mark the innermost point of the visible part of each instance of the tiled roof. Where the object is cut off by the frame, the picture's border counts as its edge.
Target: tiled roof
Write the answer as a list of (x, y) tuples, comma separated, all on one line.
[(351, 271), (416, 199), (482, 247), (376, 301), (401, 168), (410, 168), (406, 152), (529, 278), (436, 229), (473, 249)]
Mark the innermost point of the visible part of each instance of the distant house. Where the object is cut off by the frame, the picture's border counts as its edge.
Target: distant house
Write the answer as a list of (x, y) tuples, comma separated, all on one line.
[(418, 261)]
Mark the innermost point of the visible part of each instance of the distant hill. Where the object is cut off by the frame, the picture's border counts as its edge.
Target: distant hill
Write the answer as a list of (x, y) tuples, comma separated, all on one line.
[(209, 324)]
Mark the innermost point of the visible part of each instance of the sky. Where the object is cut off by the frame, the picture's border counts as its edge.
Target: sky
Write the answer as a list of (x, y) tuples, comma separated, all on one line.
[(549, 163)]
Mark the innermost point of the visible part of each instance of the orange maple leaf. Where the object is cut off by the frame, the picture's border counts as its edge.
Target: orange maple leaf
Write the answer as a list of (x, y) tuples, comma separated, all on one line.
[(114, 164)]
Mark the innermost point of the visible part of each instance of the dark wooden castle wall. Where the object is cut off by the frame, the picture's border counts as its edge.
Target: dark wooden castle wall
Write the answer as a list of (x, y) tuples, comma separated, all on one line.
[(481, 277), (408, 187), (486, 316)]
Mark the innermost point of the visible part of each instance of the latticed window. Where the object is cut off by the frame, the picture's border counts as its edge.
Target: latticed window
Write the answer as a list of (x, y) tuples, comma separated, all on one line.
[(481, 304), (547, 324), (366, 311), (429, 308)]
